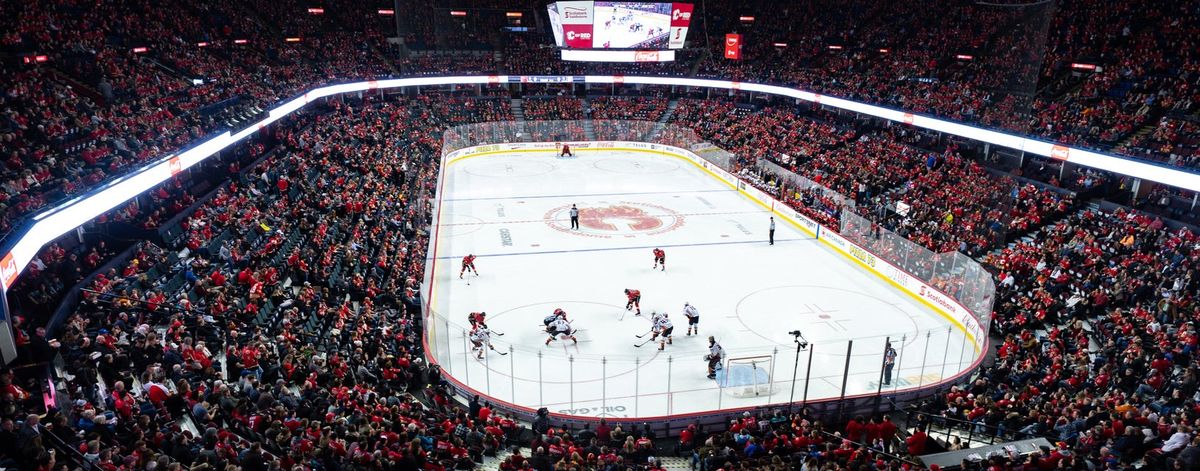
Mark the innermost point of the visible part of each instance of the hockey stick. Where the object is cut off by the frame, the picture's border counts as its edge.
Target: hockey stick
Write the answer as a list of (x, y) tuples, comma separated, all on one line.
[(645, 334), (497, 351), (643, 343)]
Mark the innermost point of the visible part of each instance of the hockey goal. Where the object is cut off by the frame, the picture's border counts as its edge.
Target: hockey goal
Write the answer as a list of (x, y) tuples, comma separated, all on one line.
[(749, 376)]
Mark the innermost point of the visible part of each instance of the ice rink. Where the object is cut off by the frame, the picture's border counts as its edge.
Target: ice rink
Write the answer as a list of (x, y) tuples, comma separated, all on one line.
[(511, 211)]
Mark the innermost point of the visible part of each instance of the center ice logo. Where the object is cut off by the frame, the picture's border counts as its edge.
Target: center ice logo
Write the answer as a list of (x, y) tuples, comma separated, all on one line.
[(622, 219)]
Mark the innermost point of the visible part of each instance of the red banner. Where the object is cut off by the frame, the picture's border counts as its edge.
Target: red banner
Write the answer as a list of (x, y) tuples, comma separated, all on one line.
[(8, 271), (1060, 152), (578, 36), (733, 46), (681, 17)]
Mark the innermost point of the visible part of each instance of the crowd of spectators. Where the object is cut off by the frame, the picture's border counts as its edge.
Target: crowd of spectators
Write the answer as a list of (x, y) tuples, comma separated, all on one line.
[(1145, 68), (553, 108), (281, 322), (954, 202)]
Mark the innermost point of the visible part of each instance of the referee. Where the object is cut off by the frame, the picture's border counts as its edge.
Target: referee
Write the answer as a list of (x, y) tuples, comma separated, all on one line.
[(575, 217), (771, 233)]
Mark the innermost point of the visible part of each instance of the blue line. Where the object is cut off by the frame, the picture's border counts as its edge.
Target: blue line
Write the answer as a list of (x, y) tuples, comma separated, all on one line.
[(606, 249), (581, 195)]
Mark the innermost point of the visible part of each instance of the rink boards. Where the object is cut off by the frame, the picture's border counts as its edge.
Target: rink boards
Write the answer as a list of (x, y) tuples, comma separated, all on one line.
[(959, 349)]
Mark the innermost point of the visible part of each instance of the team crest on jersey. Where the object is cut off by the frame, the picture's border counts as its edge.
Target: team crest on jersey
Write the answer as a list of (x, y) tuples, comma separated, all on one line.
[(621, 219)]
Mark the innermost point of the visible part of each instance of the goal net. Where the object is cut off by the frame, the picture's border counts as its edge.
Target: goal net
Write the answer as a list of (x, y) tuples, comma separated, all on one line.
[(746, 376)]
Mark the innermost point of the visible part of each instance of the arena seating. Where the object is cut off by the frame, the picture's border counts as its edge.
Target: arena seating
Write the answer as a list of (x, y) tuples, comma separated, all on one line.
[(276, 325)]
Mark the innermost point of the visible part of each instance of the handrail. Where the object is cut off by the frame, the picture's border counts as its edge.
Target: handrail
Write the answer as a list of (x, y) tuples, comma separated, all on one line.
[(970, 427), (870, 447)]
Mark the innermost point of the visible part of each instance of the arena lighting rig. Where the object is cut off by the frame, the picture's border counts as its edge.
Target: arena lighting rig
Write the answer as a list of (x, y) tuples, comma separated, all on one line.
[(32, 234)]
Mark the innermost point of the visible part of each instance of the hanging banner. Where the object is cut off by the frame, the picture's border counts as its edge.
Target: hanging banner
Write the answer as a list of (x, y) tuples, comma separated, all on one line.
[(733, 46), (681, 17)]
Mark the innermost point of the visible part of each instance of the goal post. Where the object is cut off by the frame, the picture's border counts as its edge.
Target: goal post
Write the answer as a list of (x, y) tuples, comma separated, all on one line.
[(748, 376)]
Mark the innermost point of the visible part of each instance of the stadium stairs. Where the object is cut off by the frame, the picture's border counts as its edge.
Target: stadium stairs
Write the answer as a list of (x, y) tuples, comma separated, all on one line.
[(518, 112), (589, 129), (666, 117)]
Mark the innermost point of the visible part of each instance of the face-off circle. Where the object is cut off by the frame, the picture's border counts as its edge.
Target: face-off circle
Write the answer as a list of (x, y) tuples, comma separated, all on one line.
[(621, 219)]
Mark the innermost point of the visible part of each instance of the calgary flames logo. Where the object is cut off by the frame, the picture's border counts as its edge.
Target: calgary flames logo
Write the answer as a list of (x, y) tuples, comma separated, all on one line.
[(623, 219), (633, 218)]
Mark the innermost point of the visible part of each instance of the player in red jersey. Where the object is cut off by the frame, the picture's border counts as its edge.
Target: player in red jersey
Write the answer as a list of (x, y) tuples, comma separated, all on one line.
[(477, 319), (566, 150), (635, 300), (468, 263), (660, 258)]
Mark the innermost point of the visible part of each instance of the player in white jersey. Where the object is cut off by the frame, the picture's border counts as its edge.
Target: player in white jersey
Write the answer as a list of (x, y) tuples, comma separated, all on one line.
[(714, 357), (481, 337), (655, 316), (560, 329), (662, 329), (693, 317)]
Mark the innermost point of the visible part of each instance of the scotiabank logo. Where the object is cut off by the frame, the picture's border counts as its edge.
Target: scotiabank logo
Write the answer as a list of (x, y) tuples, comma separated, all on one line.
[(681, 15), (1060, 152), (575, 13), (645, 56), (571, 36), (937, 299)]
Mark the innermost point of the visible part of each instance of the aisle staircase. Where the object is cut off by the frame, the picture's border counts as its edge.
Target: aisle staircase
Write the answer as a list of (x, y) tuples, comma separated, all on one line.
[(666, 117), (518, 112), (589, 128)]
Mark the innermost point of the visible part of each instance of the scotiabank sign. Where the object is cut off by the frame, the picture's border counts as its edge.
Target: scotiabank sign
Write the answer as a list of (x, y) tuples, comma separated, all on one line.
[(577, 24), (681, 17)]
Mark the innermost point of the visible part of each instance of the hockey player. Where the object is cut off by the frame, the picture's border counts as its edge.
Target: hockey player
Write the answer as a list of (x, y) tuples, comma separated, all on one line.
[(662, 329), (468, 264), (481, 337), (566, 151), (693, 317), (635, 300), (714, 357), (560, 328), (660, 257), (477, 319)]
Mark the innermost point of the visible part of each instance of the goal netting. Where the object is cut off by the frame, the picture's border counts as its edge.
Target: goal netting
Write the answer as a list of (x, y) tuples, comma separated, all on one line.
[(746, 376)]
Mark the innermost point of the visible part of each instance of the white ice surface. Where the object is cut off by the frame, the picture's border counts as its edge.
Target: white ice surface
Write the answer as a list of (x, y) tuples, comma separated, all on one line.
[(510, 211)]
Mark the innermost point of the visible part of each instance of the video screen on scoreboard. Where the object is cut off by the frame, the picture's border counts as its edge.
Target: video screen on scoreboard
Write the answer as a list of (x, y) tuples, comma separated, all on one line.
[(628, 25), (555, 23), (647, 26)]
